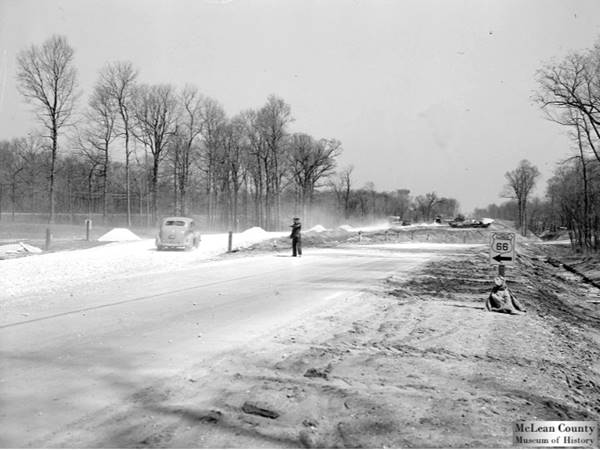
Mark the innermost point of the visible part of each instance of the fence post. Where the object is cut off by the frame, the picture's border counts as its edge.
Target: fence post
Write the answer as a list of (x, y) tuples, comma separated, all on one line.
[(88, 227), (230, 242), (48, 238)]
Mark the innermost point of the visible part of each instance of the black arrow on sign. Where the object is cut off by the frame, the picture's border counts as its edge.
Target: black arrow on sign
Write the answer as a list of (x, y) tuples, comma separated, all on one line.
[(500, 258)]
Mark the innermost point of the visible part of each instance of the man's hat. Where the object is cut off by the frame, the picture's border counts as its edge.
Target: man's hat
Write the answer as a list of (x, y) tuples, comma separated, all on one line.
[(499, 281), (296, 218)]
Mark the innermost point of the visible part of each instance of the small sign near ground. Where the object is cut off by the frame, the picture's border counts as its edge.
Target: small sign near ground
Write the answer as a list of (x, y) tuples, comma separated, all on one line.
[(502, 249)]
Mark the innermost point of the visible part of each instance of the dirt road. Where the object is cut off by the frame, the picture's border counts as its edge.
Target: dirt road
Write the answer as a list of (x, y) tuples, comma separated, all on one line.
[(353, 347)]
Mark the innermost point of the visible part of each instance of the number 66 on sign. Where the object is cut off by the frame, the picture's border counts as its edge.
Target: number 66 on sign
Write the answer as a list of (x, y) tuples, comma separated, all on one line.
[(502, 249)]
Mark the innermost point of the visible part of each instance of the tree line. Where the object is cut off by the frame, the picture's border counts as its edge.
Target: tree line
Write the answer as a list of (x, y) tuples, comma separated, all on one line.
[(131, 135), (132, 149), (564, 206), (569, 94)]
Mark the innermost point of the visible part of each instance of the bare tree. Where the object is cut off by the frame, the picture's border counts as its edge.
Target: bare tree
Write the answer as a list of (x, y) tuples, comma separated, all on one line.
[(100, 133), (272, 121), (257, 155), (213, 123), (35, 162), (520, 183), (342, 186), (311, 161), (571, 88), (119, 80), (190, 129), (155, 115), (47, 78), (11, 165), (235, 154), (425, 204)]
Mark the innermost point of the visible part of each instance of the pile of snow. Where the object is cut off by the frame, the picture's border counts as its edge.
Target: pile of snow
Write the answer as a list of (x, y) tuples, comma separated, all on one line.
[(346, 228), (253, 233), (20, 249), (318, 229), (30, 248), (119, 235), (486, 220)]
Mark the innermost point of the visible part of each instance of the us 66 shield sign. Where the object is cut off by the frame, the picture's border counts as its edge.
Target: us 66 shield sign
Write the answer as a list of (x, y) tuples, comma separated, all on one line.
[(502, 248)]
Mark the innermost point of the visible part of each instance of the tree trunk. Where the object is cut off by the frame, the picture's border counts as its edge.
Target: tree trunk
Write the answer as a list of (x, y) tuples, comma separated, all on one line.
[(127, 181), (105, 186), (154, 212), (54, 133)]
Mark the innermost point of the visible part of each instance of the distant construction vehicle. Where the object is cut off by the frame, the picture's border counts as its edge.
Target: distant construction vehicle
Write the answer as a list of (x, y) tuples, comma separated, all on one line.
[(461, 222)]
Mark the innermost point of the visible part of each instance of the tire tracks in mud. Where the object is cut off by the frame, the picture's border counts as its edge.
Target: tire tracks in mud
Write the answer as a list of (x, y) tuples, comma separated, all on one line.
[(395, 368)]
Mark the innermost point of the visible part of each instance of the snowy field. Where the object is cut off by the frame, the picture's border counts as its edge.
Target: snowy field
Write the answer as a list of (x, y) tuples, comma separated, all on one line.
[(52, 271)]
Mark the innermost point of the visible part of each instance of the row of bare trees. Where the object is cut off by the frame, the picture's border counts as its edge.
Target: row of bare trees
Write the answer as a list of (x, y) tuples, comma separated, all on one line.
[(137, 149), (25, 164), (179, 138)]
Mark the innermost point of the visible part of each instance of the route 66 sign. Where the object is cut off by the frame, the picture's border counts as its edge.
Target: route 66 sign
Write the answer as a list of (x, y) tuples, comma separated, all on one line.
[(502, 248)]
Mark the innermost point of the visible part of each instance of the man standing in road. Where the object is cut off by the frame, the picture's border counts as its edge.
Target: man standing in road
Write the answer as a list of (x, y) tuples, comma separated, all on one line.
[(296, 237)]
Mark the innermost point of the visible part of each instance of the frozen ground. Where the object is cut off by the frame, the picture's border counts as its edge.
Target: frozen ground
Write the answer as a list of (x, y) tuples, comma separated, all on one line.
[(52, 271)]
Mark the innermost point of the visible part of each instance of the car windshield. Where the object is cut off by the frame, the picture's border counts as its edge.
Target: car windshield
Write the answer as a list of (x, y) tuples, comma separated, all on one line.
[(175, 223)]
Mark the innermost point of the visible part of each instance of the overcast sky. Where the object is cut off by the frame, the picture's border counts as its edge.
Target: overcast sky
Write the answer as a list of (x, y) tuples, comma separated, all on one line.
[(423, 95)]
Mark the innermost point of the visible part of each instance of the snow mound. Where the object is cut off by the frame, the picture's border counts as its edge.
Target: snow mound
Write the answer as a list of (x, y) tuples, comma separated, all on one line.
[(346, 228), (318, 229), (18, 249), (119, 235), (254, 233)]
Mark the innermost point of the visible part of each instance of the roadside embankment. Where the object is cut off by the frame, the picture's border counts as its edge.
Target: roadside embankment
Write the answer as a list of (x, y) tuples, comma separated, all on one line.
[(340, 236)]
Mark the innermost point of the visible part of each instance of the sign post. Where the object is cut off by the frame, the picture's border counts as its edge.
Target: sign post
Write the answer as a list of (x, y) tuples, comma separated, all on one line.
[(502, 250)]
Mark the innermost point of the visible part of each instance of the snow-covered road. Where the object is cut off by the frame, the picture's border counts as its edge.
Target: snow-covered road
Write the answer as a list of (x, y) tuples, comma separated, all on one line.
[(87, 355), (50, 272)]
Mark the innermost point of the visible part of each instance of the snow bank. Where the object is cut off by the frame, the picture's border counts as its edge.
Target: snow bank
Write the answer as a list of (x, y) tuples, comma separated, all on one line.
[(318, 229), (366, 228), (119, 235)]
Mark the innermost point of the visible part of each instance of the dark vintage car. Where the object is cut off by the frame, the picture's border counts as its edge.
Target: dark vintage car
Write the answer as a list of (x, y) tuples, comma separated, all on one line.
[(177, 232)]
